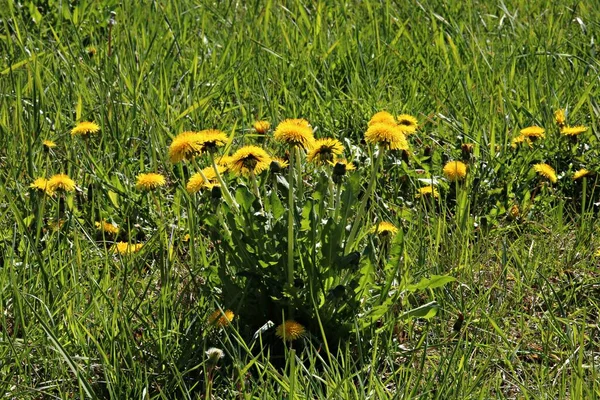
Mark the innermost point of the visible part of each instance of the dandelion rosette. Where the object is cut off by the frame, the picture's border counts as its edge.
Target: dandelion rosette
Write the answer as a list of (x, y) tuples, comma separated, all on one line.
[(382, 117), (455, 171), (261, 126), (150, 181), (384, 228), (573, 130), (185, 146), (61, 182), (386, 135), (220, 318), (546, 171), (295, 132), (249, 160), (290, 331), (85, 128), (325, 151)]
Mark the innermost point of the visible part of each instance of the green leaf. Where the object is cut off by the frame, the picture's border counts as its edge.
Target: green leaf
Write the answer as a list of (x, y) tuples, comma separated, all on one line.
[(426, 311), (435, 281)]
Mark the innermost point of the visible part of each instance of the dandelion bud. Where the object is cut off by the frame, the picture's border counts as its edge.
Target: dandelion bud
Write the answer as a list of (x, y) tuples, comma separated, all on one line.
[(215, 193)]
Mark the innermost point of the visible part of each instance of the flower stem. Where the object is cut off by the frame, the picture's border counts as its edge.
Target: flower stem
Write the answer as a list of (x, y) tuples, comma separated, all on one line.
[(363, 205), (298, 171), (290, 264), (255, 189), (228, 198)]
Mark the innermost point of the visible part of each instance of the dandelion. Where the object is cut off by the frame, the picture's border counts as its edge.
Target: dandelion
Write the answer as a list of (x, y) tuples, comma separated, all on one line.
[(325, 150), (41, 184), (85, 128), (428, 191), (455, 171), (214, 355), (573, 130), (91, 51), (220, 318), (580, 174), (408, 123), (384, 228), (224, 162), (107, 227), (185, 146), (261, 126), (197, 181), (514, 212), (249, 160), (48, 144), (559, 117), (343, 163), (386, 135), (533, 132), (546, 171), (295, 132), (212, 138), (278, 164), (521, 139), (124, 248), (150, 181), (382, 117), (290, 331), (61, 182)]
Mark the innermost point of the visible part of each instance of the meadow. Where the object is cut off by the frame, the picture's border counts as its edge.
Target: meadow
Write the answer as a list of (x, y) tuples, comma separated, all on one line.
[(303, 200)]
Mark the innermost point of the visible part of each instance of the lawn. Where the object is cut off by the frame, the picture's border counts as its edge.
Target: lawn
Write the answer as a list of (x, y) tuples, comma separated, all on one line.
[(300, 200)]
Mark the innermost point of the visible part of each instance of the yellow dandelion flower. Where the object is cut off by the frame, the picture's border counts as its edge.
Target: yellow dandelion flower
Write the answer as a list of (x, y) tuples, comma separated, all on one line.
[(347, 165), (249, 159), (212, 138), (41, 184), (324, 151), (427, 191), (408, 123), (514, 211), (223, 162), (455, 170), (382, 117), (107, 227), (150, 181), (386, 135), (262, 127), (295, 132), (185, 146), (581, 173), (48, 144), (61, 182), (533, 132), (281, 163), (85, 128), (125, 248), (197, 182), (597, 253), (221, 318), (521, 139), (91, 50), (573, 130), (290, 331), (384, 228), (559, 117), (546, 171)]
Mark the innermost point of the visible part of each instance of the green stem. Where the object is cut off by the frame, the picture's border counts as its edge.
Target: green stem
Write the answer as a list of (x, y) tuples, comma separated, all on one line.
[(363, 205), (228, 198), (298, 171), (255, 189), (290, 264), (338, 201)]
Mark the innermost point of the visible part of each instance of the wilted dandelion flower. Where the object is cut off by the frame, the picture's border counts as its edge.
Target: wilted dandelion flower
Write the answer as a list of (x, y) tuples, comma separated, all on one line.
[(41, 184), (408, 123), (386, 135), (249, 159), (85, 128), (533, 132), (382, 117), (150, 181), (573, 130), (185, 146), (514, 211), (197, 182), (107, 227), (212, 138), (61, 182), (455, 171), (125, 248), (290, 331), (428, 191), (221, 318), (546, 171), (384, 228), (48, 144), (261, 126), (580, 174), (559, 117), (324, 151), (214, 355), (295, 132)]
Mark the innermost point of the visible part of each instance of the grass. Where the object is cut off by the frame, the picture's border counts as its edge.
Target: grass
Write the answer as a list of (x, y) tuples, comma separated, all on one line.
[(76, 320)]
